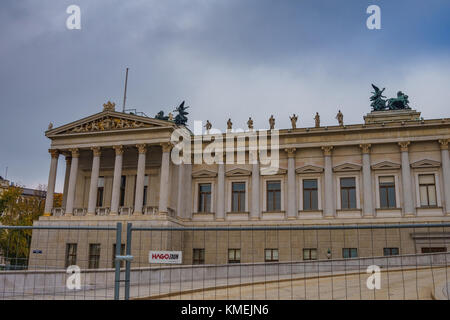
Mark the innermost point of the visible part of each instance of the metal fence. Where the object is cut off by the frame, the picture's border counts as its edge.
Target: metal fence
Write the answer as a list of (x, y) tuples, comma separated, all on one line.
[(395, 261)]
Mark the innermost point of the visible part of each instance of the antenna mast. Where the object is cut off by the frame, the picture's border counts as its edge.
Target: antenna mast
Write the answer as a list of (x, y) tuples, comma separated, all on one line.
[(125, 93)]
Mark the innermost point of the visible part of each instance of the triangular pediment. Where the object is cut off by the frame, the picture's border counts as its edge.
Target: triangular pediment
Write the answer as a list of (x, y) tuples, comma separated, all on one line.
[(109, 121), (272, 171), (309, 169), (204, 174), (347, 167), (386, 165), (238, 172), (425, 163)]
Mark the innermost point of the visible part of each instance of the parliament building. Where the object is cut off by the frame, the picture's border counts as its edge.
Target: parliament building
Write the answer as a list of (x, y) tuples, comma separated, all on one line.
[(392, 168)]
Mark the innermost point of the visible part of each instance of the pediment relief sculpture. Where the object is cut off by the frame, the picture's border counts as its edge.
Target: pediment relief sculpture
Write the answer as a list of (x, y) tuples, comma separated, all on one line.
[(425, 163), (309, 169), (347, 167), (238, 172), (386, 165), (204, 174), (107, 123)]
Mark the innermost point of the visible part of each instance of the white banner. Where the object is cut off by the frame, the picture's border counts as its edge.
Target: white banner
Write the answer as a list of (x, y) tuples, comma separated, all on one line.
[(174, 257)]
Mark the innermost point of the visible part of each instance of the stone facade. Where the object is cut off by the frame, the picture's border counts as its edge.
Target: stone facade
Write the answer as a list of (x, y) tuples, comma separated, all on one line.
[(394, 168)]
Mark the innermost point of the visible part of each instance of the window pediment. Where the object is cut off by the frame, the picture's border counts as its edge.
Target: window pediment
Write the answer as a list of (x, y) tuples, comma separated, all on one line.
[(309, 169), (204, 174), (271, 171), (238, 172), (425, 163), (386, 165), (347, 167)]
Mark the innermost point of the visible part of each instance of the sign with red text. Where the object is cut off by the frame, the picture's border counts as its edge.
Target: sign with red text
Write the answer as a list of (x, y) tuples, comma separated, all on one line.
[(174, 257)]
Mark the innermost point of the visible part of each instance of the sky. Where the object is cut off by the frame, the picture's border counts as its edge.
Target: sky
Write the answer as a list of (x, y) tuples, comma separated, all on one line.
[(225, 58)]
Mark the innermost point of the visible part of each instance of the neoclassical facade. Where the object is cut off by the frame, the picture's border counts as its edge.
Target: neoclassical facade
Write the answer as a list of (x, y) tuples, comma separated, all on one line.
[(393, 168)]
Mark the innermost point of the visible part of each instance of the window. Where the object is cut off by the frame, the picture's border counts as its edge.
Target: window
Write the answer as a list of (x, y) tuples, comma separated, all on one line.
[(349, 253), (100, 191), (348, 193), (123, 182), (71, 254), (271, 255), (390, 251), (94, 255), (310, 200), (234, 255), (238, 197), (387, 192), (310, 254), (434, 250), (273, 195), (204, 197), (198, 256), (122, 252), (144, 198), (427, 189)]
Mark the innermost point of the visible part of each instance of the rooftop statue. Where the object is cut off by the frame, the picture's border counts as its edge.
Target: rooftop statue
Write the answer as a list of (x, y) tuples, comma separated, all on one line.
[(380, 104), (401, 102), (160, 116), (180, 118)]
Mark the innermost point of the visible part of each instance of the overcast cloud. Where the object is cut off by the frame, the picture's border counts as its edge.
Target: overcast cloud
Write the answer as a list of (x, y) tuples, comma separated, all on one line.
[(226, 58)]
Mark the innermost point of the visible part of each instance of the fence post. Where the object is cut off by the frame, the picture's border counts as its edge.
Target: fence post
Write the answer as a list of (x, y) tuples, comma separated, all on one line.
[(128, 263), (117, 262)]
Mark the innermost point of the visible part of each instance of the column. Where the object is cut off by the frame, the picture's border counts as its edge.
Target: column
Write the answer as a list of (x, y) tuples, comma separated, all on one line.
[(292, 210), (220, 211), (164, 182), (140, 177), (188, 191), (116, 180), (408, 204), (329, 207), (367, 181), (72, 181), (446, 173), (94, 180), (181, 199), (66, 180), (51, 182), (255, 212)]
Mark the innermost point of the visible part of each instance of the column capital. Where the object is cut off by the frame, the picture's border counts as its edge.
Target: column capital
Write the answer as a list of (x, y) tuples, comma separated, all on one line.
[(118, 150), (404, 145), (444, 144), (166, 146), (75, 152), (290, 152), (96, 151), (327, 150), (365, 147), (68, 159), (54, 153), (142, 148)]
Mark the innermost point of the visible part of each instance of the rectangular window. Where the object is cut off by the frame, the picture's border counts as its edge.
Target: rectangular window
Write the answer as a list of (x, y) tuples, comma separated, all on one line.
[(100, 191), (122, 252), (238, 197), (349, 253), (310, 198), (144, 199), (234, 255), (434, 250), (71, 254), (273, 195), (94, 255), (271, 255), (348, 193), (123, 182), (427, 188), (391, 251), (198, 256), (310, 254), (387, 192), (204, 197)]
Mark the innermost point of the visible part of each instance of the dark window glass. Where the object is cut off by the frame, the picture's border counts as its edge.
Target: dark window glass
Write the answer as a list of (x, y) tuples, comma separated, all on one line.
[(100, 191), (144, 198), (391, 251), (434, 250), (71, 254), (387, 192), (122, 252), (198, 256), (273, 195), (348, 193), (238, 197), (234, 255), (349, 253), (310, 199), (310, 254), (123, 182), (427, 189), (94, 255), (204, 197), (271, 255)]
